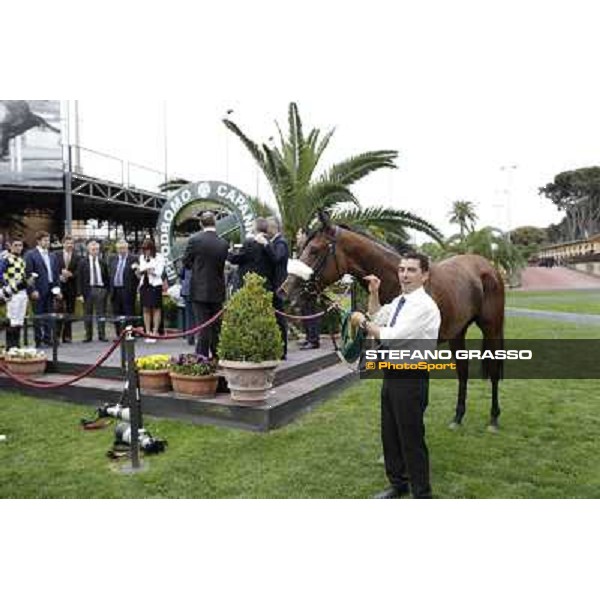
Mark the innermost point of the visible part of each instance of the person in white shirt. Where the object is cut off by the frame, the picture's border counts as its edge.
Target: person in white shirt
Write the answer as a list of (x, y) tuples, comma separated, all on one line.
[(151, 269), (413, 315)]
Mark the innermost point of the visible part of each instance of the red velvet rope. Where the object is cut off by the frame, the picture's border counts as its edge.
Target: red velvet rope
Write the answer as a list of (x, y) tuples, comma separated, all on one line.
[(41, 385)]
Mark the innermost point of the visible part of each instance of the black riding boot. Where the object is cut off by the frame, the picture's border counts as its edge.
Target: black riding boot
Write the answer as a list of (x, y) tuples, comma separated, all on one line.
[(13, 337)]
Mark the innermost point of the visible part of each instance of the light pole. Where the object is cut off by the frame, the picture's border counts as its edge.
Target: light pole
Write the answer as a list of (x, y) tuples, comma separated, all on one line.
[(228, 114), (165, 141), (509, 169)]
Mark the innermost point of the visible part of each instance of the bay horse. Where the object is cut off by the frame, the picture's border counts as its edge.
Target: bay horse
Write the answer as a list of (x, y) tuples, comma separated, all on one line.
[(466, 288)]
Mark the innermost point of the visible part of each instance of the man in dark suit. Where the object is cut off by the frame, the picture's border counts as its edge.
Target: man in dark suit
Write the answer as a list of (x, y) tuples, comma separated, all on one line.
[(93, 283), (123, 282), (252, 257), (205, 255), (278, 251), (68, 264), (42, 268)]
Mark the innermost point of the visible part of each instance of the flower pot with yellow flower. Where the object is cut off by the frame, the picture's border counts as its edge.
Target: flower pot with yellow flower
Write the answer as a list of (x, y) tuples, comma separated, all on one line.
[(153, 371)]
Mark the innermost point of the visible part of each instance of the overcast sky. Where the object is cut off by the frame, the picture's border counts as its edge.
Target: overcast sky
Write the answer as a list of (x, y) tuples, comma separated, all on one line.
[(460, 89)]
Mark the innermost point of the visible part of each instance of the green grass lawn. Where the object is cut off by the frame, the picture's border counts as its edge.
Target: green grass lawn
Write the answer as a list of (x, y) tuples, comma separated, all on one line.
[(576, 301), (548, 447)]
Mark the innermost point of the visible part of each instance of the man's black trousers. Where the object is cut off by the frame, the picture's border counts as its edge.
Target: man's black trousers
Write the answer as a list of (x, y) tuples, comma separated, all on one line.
[(122, 305), (208, 338), (403, 404)]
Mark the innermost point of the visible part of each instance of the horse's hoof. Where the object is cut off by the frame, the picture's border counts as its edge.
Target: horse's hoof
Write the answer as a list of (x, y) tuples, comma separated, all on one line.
[(454, 425), (493, 429)]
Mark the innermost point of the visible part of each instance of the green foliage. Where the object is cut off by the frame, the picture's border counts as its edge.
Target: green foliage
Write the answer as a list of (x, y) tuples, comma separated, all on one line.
[(300, 193), (529, 239), (577, 194), (192, 364), (434, 251), (170, 312), (570, 301), (491, 243), (548, 446), (464, 215), (249, 331)]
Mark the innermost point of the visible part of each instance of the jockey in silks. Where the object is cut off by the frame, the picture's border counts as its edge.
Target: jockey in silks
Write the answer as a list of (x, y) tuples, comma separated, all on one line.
[(13, 291)]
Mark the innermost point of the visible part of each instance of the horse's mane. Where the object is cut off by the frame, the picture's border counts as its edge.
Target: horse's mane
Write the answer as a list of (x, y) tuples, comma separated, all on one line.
[(383, 245)]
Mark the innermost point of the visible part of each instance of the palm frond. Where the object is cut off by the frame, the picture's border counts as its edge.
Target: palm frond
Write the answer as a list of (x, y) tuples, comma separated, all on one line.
[(254, 150), (389, 219), (356, 167)]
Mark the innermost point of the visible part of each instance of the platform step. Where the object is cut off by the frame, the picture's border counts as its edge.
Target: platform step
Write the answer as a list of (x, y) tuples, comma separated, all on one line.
[(287, 400)]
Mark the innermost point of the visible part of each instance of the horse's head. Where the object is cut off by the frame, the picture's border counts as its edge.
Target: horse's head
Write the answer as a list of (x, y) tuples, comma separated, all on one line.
[(321, 263)]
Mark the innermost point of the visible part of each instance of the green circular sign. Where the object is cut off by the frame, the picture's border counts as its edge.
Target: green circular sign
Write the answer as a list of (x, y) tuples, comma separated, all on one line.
[(210, 195)]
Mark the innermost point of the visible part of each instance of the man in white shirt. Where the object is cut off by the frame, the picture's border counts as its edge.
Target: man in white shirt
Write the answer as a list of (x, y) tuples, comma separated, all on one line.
[(411, 316)]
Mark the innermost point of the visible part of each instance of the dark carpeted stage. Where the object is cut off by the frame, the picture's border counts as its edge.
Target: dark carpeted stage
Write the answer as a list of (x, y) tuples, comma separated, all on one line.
[(305, 379)]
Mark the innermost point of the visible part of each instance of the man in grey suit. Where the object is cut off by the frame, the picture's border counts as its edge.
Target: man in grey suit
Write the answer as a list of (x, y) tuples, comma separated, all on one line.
[(205, 255)]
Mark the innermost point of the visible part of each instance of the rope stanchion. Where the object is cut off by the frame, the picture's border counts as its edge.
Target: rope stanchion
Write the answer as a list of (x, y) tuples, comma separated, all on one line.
[(305, 317), (43, 385), (139, 332)]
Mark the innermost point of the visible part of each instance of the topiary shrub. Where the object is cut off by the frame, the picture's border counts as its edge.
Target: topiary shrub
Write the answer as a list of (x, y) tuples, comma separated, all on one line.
[(249, 331)]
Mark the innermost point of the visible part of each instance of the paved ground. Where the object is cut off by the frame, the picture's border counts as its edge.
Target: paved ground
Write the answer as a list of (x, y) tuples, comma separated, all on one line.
[(557, 278), (556, 316)]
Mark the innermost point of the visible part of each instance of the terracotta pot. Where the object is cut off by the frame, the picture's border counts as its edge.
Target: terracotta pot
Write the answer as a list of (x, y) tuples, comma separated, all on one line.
[(155, 381), (201, 386), (27, 368), (248, 381)]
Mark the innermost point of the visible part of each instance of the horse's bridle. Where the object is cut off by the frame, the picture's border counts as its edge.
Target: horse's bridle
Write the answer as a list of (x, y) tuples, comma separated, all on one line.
[(311, 287)]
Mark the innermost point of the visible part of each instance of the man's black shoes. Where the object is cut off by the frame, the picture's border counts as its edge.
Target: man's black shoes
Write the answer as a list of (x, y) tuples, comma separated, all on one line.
[(308, 345), (393, 492)]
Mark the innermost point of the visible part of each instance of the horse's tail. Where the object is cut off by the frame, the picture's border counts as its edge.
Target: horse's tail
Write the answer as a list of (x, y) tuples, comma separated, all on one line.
[(492, 320)]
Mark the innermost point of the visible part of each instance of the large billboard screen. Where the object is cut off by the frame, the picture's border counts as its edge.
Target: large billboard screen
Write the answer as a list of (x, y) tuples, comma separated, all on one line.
[(30, 143)]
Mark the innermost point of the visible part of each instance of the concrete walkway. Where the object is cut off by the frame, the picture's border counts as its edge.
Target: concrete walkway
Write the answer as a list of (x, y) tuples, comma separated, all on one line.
[(554, 315), (535, 279)]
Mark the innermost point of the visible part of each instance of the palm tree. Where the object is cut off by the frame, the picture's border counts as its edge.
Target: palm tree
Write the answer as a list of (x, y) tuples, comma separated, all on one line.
[(463, 213), (491, 243), (300, 194)]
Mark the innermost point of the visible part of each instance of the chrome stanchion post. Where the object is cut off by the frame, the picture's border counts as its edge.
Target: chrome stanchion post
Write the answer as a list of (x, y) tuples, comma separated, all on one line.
[(133, 399), (54, 321)]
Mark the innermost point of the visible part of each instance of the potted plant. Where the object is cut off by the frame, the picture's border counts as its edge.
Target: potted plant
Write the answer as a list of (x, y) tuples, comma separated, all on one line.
[(153, 371), (25, 361), (250, 346), (193, 375)]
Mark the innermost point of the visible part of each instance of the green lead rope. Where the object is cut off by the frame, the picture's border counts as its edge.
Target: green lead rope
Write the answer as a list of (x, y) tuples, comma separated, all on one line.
[(351, 345)]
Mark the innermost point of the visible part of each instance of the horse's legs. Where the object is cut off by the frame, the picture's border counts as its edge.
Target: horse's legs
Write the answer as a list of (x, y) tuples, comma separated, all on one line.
[(493, 339), (462, 369), (495, 412)]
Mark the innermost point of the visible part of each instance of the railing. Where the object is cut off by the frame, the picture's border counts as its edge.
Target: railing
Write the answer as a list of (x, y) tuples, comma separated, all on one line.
[(107, 167)]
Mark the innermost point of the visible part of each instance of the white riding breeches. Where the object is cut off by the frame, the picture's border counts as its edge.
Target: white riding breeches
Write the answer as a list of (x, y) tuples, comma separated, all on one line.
[(16, 308)]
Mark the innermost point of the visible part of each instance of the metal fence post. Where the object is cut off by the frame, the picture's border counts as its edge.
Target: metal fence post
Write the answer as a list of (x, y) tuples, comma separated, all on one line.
[(133, 398)]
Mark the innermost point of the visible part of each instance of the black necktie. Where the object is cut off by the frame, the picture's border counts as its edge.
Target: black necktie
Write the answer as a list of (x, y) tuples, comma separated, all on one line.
[(401, 303), (94, 282)]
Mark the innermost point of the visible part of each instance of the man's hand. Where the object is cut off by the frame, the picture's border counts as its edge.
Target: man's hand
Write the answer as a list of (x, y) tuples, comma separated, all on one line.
[(35, 295), (357, 319), (374, 283), (261, 239)]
